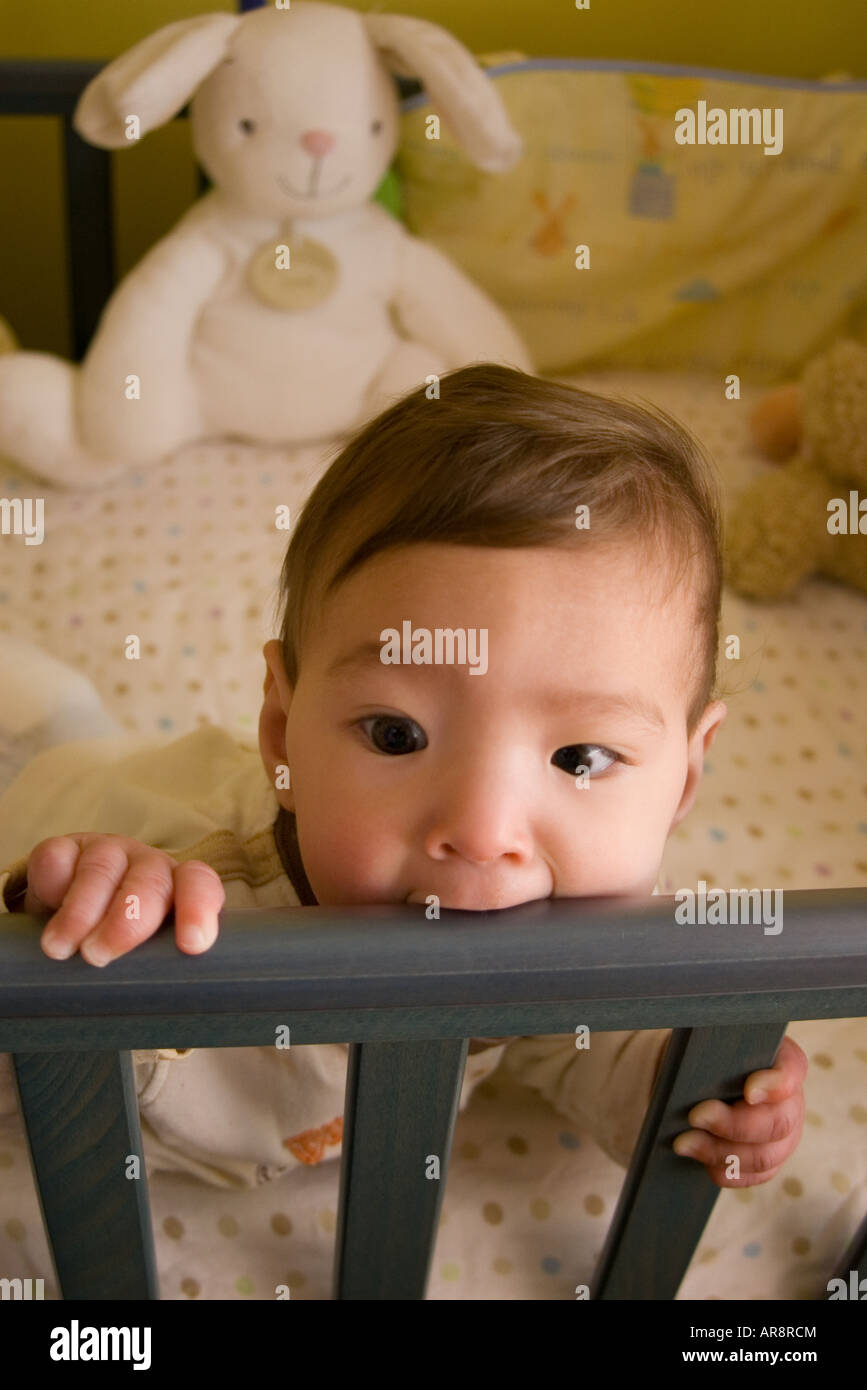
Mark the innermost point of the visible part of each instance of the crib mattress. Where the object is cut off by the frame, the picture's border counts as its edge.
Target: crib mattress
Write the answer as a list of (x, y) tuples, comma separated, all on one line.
[(187, 559)]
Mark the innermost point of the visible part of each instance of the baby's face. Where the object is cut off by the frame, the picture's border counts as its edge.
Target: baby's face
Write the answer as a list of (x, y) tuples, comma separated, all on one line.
[(419, 779)]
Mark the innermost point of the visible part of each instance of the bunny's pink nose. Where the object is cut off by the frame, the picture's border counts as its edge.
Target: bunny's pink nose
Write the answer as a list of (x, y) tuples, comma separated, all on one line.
[(318, 142)]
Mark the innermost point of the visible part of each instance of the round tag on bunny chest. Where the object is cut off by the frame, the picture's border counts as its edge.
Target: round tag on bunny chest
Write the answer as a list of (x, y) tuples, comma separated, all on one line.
[(293, 275)]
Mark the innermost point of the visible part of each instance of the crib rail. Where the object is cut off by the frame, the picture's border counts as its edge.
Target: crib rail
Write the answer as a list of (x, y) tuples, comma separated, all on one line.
[(407, 993)]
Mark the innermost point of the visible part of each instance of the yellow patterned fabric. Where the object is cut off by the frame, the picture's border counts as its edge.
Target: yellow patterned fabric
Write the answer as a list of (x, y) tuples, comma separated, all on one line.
[(717, 257)]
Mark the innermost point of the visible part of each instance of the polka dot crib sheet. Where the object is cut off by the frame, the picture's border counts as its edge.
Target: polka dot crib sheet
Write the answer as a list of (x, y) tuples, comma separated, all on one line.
[(187, 559)]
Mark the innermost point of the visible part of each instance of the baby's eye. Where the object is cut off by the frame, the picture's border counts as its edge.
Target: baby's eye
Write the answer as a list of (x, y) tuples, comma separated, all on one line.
[(391, 733), (247, 126), (575, 755)]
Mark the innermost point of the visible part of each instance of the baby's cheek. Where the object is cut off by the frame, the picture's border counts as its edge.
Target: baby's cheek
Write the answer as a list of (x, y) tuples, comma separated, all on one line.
[(346, 866), (627, 860)]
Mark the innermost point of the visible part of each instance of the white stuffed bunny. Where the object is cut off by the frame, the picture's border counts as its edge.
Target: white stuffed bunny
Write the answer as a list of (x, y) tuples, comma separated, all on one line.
[(286, 306)]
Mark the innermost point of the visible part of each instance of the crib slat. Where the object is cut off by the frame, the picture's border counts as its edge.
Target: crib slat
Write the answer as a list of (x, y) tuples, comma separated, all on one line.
[(401, 1105), (82, 1122), (666, 1200), (91, 239)]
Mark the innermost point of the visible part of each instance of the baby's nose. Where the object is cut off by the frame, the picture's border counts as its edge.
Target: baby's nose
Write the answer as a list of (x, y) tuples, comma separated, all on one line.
[(490, 838), (318, 142)]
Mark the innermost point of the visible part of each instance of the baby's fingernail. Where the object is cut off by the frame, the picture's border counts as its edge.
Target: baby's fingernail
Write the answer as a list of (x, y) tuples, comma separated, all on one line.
[(197, 938), (95, 953), (57, 946), (686, 1147), (702, 1116), (756, 1097)]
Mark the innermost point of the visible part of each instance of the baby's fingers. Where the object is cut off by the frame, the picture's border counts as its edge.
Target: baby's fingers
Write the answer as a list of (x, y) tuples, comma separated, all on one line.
[(783, 1079), (136, 910), (100, 865), (119, 896), (199, 895), (762, 1160), (50, 870), (750, 1124)]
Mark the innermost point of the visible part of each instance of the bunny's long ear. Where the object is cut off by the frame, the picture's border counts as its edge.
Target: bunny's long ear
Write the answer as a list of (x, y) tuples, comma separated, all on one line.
[(458, 88), (154, 80)]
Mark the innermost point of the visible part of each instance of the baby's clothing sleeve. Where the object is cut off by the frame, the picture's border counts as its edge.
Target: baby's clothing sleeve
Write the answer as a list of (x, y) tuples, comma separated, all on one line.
[(13, 886), (202, 791), (605, 1087)]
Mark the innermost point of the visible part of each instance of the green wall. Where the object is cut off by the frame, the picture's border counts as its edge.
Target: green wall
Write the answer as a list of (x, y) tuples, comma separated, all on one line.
[(156, 180)]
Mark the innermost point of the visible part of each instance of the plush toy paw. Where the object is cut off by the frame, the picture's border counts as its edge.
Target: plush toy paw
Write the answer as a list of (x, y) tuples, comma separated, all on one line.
[(834, 389), (771, 534), (780, 529)]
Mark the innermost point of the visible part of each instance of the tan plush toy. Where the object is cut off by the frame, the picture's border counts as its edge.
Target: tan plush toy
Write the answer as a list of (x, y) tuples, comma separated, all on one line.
[(805, 519)]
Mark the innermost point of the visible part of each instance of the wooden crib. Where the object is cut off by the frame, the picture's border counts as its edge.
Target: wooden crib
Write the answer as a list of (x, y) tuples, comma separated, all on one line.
[(406, 993)]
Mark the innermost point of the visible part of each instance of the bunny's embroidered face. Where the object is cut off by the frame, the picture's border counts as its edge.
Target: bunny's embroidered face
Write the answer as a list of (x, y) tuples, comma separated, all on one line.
[(295, 112), (297, 123)]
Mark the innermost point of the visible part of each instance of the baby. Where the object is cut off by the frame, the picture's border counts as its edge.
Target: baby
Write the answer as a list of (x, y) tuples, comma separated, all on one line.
[(574, 540)]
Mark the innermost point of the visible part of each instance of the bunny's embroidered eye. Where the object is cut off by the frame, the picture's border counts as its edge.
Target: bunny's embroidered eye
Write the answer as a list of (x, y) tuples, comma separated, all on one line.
[(376, 127), (247, 126)]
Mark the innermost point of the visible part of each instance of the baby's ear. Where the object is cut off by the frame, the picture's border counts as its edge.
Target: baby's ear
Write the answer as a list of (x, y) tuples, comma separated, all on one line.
[(703, 736), (711, 721), (276, 672), (269, 674)]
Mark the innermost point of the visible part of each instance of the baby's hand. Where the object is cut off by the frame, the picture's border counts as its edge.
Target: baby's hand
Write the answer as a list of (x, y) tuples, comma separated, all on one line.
[(768, 1123), (90, 877)]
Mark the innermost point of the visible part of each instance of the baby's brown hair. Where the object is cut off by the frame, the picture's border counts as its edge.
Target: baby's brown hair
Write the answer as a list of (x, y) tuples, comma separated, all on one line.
[(502, 458)]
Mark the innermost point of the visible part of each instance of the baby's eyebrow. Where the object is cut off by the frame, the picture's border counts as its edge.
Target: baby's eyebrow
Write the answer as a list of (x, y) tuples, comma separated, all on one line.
[(365, 654), (631, 703)]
